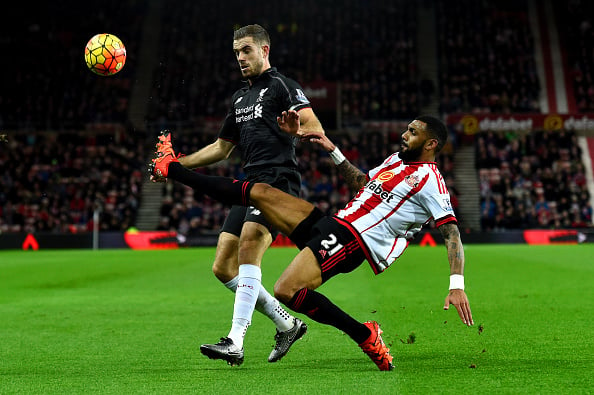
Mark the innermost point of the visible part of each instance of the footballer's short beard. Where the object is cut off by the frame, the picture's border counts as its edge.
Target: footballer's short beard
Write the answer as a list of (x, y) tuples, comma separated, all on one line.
[(411, 154)]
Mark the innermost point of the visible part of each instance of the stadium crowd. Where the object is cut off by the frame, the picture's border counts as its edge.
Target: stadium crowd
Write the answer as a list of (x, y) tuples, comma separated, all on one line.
[(579, 37), (487, 57), (55, 182), (534, 180)]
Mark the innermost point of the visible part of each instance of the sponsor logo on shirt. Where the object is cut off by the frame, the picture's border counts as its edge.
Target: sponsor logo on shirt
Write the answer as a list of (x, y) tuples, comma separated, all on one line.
[(248, 113), (376, 187), (385, 176)]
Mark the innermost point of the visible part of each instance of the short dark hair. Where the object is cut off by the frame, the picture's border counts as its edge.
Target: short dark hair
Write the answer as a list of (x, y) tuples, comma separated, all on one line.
[(437, 129), (257, 32)]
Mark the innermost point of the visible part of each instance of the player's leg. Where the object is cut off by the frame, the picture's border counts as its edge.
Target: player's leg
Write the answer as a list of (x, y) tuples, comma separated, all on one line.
[(225, 263), (332, 251), (282, 210), (295, 288), (254, 240)]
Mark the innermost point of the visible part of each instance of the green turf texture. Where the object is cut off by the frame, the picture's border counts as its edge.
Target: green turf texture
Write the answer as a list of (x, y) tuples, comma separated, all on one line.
[(121, 321)]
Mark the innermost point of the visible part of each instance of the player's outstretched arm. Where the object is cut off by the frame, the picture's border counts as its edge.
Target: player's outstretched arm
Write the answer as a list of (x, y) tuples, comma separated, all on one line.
[(212, 153), (456, 296)]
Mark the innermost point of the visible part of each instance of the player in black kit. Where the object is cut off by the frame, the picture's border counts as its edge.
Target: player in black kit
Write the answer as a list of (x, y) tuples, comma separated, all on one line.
[(268, 156)]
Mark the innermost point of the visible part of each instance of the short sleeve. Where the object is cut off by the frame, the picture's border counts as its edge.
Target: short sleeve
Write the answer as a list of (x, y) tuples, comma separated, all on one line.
[(229, 131), (437, 201), (296, 99)]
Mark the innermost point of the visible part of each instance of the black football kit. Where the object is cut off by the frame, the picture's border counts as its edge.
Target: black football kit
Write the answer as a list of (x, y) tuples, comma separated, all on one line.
[(267, 153)]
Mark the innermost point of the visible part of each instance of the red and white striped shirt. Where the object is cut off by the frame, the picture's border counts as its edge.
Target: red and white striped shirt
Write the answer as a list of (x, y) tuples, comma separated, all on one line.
[(393, 206)]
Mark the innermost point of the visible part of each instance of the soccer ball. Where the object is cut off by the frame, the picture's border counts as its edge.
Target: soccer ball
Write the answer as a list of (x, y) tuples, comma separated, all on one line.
[(105, 54)]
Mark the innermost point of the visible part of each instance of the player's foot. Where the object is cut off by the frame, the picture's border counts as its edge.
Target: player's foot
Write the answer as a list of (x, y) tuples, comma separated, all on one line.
[(284, 340), (375, 348), (225, 349), (164, 155)]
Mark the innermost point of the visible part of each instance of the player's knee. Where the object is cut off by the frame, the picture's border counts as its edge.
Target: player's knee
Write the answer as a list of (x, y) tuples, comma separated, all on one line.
[(283, 292), (260, 191), (223, 273)]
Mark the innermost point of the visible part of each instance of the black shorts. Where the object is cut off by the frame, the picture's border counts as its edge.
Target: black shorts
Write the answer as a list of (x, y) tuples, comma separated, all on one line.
[(336, 248), (286, 179)]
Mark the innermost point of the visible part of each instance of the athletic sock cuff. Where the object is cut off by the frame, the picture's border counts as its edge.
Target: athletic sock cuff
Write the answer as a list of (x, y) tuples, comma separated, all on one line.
[(250, 271)]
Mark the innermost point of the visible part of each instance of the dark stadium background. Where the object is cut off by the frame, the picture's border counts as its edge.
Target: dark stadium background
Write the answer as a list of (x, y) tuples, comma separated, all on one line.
[(512, 79)]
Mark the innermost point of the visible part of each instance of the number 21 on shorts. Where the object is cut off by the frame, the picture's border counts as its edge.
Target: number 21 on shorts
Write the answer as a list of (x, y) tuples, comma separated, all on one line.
[(331, 245)]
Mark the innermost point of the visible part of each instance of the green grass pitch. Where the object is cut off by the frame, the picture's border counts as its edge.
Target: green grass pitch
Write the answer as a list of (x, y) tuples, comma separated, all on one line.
[(122, 321)]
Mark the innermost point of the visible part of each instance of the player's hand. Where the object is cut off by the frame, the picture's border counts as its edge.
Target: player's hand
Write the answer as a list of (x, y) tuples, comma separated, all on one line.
[(288, 122), (320, 139), (458, 298)]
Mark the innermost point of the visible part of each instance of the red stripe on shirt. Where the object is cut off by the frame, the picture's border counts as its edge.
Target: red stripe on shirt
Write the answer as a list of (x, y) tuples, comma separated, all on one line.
[(410, 194), (440, 183), (369, 204)]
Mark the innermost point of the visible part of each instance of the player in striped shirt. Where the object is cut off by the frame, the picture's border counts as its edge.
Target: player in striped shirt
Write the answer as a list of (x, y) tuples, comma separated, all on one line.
[(393, 202)]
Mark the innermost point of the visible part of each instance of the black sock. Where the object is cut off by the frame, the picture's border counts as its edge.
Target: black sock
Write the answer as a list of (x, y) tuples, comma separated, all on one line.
[(319, 308), (225, 190)]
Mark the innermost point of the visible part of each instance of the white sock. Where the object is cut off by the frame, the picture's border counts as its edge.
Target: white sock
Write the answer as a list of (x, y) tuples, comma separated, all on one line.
[(269, 306), (246, 295)]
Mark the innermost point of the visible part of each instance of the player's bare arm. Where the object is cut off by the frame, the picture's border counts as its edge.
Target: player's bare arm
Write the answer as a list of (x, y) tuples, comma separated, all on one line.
[(457, 297), (354, 177), (309, 122), (451, 236), (212, 153)]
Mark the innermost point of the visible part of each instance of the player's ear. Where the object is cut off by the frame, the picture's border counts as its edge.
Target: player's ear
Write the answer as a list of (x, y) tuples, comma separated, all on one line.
[(265, 50), (431, 144)]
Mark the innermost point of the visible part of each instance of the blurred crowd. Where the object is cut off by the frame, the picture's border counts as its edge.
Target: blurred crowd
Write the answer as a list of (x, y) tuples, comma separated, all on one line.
[(487, 57), (579, 39), (56, 182), (534, 180)]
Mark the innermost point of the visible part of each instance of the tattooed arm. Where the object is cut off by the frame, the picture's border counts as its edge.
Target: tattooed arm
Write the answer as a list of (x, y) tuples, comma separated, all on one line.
[(354, 177), (451, 236), (456, 296)]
